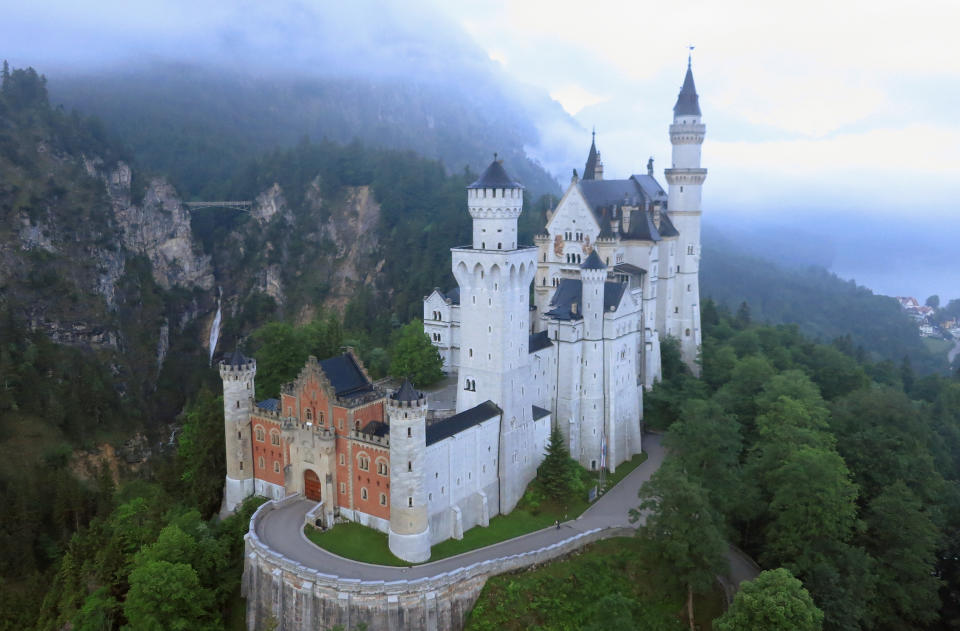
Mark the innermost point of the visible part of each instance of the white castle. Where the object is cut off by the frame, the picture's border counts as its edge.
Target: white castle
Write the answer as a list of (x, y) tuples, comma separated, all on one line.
[(615, 270)]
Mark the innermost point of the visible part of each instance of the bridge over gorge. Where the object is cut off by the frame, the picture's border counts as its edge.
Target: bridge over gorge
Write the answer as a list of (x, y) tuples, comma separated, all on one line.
[(243, 206)]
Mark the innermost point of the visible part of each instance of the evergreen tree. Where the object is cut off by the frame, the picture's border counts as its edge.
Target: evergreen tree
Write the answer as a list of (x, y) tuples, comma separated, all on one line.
[(557, 469)]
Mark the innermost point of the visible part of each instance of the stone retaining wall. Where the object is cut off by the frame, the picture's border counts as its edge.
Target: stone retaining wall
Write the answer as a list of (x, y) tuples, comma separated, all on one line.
[(299, 598)]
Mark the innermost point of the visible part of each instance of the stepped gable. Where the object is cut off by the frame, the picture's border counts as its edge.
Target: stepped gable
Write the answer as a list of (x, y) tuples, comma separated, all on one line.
[(459, 422), (539, 341), (495, 176), (569, 293)]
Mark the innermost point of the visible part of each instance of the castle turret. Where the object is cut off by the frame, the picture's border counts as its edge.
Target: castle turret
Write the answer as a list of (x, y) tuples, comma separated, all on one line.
[(685, 179), (593, 276), (593, 169), (409, 537), (237, 373), (494, 277)]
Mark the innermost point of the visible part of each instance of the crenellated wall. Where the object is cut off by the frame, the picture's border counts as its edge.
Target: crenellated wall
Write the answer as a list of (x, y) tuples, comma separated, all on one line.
[(299, 598)]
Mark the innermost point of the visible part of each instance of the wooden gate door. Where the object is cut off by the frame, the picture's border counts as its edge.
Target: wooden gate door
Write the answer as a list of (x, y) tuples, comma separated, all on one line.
[(311, 485)]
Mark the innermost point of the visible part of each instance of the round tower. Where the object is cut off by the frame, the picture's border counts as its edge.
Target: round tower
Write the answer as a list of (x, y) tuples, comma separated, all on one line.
[(495, 202), (593, 277), (409, 537), (237, 373), (685, 183)]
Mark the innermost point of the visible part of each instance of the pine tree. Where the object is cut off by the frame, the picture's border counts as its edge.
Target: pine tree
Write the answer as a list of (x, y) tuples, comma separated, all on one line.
[(556, 471)]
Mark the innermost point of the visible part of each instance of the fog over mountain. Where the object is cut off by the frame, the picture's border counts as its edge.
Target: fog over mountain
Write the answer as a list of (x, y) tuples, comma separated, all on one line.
[(848, 142)]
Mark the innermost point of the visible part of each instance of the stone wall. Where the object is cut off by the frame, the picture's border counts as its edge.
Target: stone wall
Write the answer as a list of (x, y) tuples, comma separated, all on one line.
[(300, 598)]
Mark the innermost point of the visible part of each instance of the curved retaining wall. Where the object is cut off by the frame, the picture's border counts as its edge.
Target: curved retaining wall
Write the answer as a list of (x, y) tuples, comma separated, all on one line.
[(299, 598)]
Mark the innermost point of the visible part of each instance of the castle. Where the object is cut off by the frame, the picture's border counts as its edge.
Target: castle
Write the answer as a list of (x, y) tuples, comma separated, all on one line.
[(615, 270)]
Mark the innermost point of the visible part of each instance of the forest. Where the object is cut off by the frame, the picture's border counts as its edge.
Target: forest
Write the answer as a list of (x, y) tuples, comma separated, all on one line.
[(838, 425)]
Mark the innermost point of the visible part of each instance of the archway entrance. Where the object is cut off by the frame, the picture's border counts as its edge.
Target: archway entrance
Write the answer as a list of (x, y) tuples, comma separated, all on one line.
[(311, 485)]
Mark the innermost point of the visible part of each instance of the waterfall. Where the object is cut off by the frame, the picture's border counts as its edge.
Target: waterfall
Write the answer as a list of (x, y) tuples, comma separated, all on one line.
[(215, 329)]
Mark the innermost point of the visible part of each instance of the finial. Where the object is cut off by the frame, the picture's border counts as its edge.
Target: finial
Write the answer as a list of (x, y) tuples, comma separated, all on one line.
[(494, 156), (690, 56)]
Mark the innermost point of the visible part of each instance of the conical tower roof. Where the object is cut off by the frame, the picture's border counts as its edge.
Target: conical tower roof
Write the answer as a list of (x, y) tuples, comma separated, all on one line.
[(406, 392), (593, 262), (590, 169), (688, 103), (237, 359), (495, 177)]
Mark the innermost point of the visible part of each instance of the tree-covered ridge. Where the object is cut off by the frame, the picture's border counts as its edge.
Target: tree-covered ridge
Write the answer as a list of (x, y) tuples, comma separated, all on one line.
[(824, 306), (842, 471)]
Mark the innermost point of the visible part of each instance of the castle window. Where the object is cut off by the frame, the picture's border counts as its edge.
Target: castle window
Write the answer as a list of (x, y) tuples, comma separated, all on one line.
[(343, 488), (383, 499), (239, 436), (483, 246), (363, 462), (409, 466), (356, 425), (382, 467), (238, 404), (544, 257), (276, 466), (409, 432), (343, 460), (259, 432), (430, 496), (676, 309), (309, 415), (275, 438), (689, 249), (688, 332), (410, 502), (363, 493), (241, 465), (260, 462), (499, 246)]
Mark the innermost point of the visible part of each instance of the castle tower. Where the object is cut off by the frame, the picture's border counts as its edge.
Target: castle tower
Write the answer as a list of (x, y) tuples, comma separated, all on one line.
[(409, 537), (593, 169), (593, 276), (494, 275), (238, 374), (685, 181)]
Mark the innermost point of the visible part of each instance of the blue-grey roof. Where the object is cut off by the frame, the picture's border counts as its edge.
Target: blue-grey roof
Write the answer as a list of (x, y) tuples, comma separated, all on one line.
[(237, 359), (495, 177), (688, 104), (570, 291), (406, 392), (453, 295), (590, 169), (459, 422), (345, 376), (642, 227), (667, 228), (593, 262), (650, 186), (270, 405), (539, 413), (538, 342), (600, 193), (376, 428)]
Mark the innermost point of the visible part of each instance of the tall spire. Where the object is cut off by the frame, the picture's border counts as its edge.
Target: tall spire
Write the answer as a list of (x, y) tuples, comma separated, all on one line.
[(688, 103), (590, 170)]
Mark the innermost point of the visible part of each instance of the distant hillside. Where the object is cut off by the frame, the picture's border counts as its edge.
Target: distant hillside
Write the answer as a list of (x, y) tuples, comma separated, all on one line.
[(823, 305), (199, 125)]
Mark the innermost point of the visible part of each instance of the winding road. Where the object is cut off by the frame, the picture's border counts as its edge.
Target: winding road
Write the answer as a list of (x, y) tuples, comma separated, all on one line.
[(282, 530)]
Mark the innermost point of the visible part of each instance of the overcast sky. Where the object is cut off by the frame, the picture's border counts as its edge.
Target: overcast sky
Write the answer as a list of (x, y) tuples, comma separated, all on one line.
[(850, 104)]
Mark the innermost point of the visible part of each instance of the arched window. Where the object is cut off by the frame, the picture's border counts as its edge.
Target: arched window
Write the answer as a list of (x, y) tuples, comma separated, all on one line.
[(260, 462), (382, 467), (499, 246), (383, 499), (309, 415), (275, 438), (363, 462), (259, 432), (363, 493), (276, 466), (410, 502)]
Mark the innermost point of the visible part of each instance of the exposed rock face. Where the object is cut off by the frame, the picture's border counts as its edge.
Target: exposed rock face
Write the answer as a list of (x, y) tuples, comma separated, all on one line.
[(268, 204), (159, 228), (352, 229)]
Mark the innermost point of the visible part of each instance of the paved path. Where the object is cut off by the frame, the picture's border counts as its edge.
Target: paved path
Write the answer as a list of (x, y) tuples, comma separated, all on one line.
[(282, 530)]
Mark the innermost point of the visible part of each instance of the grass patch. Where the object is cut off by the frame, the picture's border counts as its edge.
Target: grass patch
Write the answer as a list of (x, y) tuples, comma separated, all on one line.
[(535, 511), (354, 541), (608, 585)]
